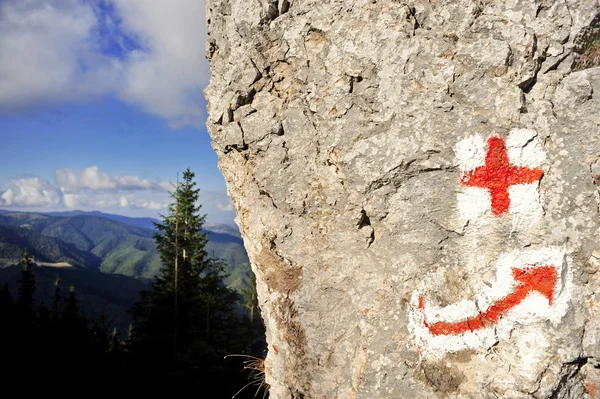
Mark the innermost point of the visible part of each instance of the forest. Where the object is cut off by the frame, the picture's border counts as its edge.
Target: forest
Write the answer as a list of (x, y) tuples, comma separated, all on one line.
[(188, 329)]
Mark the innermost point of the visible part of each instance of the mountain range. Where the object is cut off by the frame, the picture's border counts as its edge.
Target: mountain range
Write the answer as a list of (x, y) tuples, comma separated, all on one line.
[(109, 258)]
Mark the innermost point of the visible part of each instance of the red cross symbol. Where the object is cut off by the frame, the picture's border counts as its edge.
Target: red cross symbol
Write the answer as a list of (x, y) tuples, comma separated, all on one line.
[(497, 175)]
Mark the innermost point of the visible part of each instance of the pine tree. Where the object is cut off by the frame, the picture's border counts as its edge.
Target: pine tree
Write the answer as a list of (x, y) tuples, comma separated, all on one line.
[(101, 333), (250, 297), (186, 314), (6, 301), (114, 346), (57, 303), (26, 291), (7, 307), (74, 323)]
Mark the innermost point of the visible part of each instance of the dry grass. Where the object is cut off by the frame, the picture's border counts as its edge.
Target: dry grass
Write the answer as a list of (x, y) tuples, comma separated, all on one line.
[(256, 367), (589, 58)]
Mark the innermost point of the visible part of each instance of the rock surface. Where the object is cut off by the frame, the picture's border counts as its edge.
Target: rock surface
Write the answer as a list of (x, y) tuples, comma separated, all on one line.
[(416, 186)]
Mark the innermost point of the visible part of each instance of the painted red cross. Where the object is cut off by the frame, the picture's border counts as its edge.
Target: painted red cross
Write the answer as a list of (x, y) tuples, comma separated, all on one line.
[(497, 175)]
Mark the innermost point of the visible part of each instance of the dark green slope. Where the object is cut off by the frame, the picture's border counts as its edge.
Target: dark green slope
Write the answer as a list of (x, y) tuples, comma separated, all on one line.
[(115, 247), (42, 248), (96, 291)]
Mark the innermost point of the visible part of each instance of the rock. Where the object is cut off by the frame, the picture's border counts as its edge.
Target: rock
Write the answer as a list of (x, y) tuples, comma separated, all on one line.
[(417, 187)]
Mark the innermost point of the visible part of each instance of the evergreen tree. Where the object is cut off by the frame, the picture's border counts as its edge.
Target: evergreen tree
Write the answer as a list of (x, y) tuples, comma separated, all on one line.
[(250, 298), (186, 319), (114, 346), (57, 303), (75, 325), (6, 300), (7, 308), (25, 300), (100, 333)]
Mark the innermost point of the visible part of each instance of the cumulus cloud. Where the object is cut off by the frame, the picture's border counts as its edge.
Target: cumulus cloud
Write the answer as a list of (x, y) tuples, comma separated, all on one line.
[(94, 189), (31, 192), (93, 178), (48, 55), (63, 50), (90, 188), (226, 205), (167, 76)]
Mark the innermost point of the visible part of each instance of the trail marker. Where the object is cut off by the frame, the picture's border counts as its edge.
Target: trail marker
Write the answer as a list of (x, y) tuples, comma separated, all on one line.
[(530, 285)]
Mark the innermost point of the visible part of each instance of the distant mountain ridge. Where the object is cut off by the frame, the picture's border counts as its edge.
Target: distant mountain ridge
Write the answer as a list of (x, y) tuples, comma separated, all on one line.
[(113, 244), (146, 223)]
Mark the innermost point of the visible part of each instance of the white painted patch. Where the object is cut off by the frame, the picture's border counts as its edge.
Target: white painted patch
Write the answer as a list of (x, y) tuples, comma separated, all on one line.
[(531, 345), (525, 201), (470, 153), (524, 148), (531, 310), (472, 203)]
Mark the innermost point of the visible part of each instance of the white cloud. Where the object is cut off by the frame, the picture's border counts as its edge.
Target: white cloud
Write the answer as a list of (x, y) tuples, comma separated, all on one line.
[(226, 206), (52, 52), (93, 178), (152, 205), (168, 75), (71, 201), (31, 192), (123, 202), (48, 55), (93, 189), (167, 186)]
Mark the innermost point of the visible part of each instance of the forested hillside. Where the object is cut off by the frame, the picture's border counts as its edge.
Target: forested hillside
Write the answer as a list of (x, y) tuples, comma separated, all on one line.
[(108, 258), (112, 244)]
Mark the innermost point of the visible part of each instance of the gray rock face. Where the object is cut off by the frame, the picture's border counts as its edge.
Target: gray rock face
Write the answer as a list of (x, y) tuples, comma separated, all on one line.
[(416, 185)]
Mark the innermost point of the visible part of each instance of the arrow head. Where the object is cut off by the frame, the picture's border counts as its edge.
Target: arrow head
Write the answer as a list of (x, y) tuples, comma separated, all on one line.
[(541, 279)]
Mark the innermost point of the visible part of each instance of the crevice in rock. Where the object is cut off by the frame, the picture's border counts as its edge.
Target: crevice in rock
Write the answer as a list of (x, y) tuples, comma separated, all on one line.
[(275, 9), (244, 99), (272, 12), (364, 220), (528, 84), (237, 147), (402, 173), (353, 80), (523, 109), (230, 147), (284, 7), (568, 372), (211, 49), (266, 194), (555, 66), (412, 17), (259, 74)]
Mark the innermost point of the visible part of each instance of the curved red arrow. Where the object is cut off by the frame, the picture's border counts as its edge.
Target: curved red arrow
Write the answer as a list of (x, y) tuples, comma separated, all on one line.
[(541, 279)]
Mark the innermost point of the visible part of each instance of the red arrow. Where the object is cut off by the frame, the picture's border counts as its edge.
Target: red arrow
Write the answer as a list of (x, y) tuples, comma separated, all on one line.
[(541, 279)]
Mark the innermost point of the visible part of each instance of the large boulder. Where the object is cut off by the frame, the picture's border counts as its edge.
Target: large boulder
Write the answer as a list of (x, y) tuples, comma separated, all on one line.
[(416, 186)]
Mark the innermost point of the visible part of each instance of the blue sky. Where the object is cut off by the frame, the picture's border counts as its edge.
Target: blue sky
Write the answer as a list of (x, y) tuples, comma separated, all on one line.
[(101, 105)]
